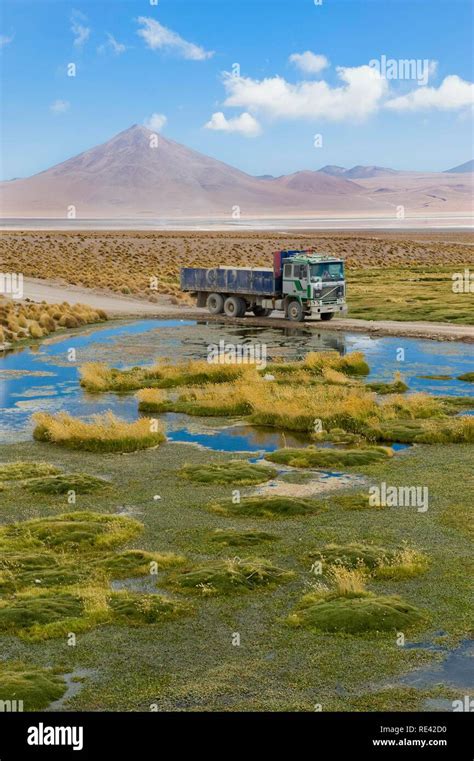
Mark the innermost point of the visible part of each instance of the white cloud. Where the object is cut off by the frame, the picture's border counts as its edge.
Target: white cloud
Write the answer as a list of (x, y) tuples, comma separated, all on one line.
[(453, 93), (81, 33), (115, 47), (157, 36), (357, 98), (60, 106), (245, 124), (310, 63), (155, 122), (5, 40)]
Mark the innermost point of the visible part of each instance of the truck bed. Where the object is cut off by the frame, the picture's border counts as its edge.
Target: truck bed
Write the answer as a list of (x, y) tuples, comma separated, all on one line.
[(258, 281)]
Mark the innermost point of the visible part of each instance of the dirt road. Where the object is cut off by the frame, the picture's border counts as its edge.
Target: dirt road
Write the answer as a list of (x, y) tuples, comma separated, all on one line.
[(123, 306)]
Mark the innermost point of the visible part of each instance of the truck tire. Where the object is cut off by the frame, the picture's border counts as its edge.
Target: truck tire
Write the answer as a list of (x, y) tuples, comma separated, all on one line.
[(325, 316), (215, 303), (294, 311), (234, 306), (261, 311)]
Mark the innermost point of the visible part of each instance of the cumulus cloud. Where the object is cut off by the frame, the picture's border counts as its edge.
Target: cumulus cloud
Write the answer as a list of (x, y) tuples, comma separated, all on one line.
[(155, 122), (60, 106), (157, 36), (112, 45), (310, 63), (453, 93), (358, 97), (80, 31), (5, 40), (245, 124)]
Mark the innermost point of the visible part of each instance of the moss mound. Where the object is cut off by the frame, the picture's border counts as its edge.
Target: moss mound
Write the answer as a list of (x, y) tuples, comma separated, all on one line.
[(235, 538), (19, 471), (233, 472), (81, 530), (353, 501), (353, 614), (379, 562), (27, 611), (352, 555), (36, 687), (19, 570), (144, 609), (442, 430), (396, 387), (268, 507), (226, 576), (122, 565), (312, 457), (466, 377), (62, 483)]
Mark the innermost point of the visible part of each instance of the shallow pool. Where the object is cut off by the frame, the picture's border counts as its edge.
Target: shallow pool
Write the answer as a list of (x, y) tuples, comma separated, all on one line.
[(42, 377)]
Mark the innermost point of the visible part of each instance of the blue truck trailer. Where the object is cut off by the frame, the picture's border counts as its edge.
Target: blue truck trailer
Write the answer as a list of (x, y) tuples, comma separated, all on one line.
[(301, 283)]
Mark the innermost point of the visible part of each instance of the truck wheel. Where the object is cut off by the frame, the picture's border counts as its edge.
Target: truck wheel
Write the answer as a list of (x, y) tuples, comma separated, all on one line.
[(215, 303), (234, 306), (295, 311), (325, 316), (261, 311)]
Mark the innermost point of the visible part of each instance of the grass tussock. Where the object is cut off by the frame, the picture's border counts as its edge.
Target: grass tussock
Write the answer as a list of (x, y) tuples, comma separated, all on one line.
[(123, 565), (206, 401), (81, 483), (268, 507), (24, 321), (321, 364), (241, 538), (41, 615), (238, 472), (97, 377), (353, 501), (19, 570), (397, 386), (105, 433), (459, 430), (312, 457), (378, 562), (36, 687), (227, 576), (347, 607), (20, 471), (137, 610), (71, 531)]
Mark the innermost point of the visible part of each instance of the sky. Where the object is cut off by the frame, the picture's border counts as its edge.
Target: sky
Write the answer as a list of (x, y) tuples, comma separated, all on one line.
[(268, 86)]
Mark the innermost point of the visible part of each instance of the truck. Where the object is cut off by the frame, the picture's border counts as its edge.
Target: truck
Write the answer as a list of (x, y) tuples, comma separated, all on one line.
[(301, 283)]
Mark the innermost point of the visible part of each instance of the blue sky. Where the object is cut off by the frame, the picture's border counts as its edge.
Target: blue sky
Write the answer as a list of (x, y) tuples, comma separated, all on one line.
[(304, 70)]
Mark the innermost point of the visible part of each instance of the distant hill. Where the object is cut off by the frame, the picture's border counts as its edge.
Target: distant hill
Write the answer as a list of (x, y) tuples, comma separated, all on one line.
[(358, 172), (139, 175), (333, 170), (467, 167)]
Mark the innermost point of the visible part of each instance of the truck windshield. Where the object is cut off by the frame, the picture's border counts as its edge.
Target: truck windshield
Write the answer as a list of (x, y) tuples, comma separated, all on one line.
[(327, 271)]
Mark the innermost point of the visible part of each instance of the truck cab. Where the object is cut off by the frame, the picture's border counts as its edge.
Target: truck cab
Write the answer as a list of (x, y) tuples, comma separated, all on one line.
[(316, 283)]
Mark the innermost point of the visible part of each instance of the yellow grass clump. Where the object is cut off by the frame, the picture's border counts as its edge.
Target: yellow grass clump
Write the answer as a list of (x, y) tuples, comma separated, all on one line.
[(26, 320), (105, 433)]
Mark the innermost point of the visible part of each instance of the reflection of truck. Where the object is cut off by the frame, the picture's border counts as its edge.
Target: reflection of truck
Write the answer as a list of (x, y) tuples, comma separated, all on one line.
[(301, 283)]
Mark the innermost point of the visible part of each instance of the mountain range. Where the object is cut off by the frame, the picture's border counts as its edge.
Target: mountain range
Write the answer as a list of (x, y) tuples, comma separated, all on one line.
[(138, 175)]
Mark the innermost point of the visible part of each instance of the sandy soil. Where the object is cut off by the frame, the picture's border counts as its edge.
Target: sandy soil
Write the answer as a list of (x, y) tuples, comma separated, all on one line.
[(124, 306)]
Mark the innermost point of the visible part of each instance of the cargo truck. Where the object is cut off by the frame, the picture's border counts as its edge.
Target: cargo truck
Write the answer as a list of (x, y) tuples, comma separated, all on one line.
[(302, 283)]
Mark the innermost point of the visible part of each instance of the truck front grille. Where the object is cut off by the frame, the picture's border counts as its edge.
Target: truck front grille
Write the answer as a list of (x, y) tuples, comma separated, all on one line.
[(332, 293)]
